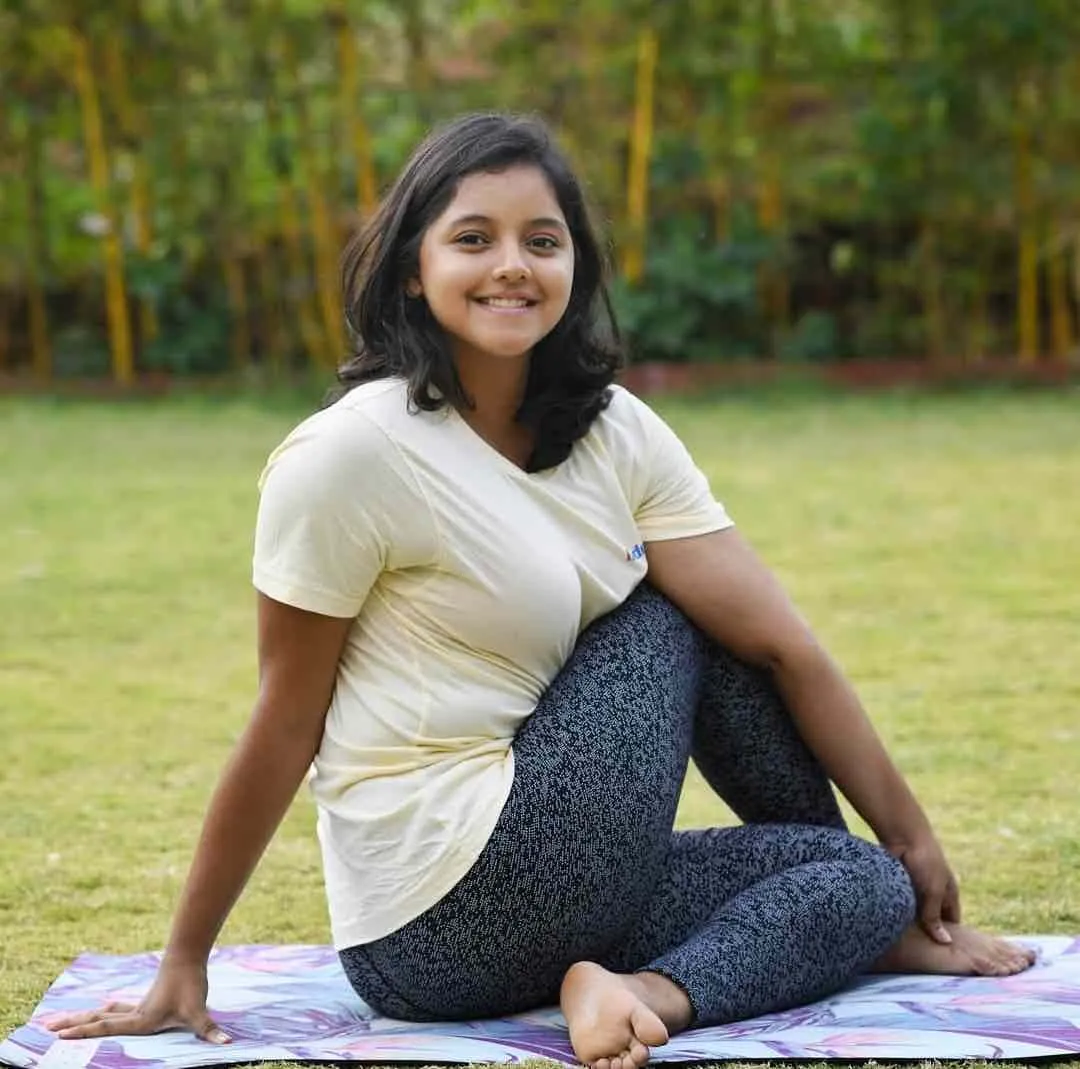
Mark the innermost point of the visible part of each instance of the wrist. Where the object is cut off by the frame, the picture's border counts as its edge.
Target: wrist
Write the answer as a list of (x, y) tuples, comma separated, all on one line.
[(183, 957), (905, 826)]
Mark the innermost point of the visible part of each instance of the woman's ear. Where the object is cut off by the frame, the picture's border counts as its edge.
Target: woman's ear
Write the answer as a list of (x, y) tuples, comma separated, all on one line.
[(413, 287)]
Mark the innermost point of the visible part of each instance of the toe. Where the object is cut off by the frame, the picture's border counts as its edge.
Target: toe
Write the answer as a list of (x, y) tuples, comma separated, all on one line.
[(639, 1054), (602, 1063)]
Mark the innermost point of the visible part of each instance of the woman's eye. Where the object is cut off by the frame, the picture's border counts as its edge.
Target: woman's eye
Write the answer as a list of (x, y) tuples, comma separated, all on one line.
[(545, 242), (470, 239)]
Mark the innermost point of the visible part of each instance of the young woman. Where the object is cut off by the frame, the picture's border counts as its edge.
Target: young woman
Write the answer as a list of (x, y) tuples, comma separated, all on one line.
[(456, 632)]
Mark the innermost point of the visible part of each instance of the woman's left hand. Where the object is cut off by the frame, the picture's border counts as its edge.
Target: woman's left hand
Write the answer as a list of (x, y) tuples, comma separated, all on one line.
[(936, 890)]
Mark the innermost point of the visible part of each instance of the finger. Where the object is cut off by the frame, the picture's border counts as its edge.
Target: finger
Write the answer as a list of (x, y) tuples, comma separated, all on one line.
[(206, 1028), (930, 919), (71, 1020), (128, 1025)]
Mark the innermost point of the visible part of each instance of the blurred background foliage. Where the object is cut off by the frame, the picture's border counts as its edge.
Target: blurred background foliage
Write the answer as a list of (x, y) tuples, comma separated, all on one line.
[(783, 180)]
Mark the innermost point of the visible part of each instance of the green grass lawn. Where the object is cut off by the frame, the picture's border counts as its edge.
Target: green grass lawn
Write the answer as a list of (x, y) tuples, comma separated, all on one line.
[(932, 541)]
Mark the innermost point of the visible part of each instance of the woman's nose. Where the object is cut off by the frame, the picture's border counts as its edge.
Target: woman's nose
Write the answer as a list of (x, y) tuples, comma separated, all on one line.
[(512, 265)]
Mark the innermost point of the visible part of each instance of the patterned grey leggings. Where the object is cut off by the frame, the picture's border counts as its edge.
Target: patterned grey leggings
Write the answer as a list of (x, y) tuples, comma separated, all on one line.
[(584, 866)]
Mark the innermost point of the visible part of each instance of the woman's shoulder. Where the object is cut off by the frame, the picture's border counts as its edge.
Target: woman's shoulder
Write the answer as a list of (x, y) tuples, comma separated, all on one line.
[(350, 435), (625, 418), (358, 417)]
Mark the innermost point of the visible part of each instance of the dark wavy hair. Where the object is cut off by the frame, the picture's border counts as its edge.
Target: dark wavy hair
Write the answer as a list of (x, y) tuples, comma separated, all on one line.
[(394, 334)]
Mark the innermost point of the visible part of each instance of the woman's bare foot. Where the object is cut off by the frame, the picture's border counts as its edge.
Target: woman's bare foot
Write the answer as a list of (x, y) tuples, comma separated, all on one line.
[(970, 953), (615, 1018)]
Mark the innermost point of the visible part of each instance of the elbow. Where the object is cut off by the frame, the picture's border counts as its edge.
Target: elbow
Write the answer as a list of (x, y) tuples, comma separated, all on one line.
[(793, 655)]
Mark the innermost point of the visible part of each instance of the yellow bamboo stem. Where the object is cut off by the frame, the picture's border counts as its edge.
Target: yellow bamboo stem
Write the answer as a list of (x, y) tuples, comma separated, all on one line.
[(1062, 332), (770, 205), (327, 289), (1027, 310), (298, 268), (326, 269), (123, 362), (420, 73), (637, 186), (40, 347), (355, 131), (288, 197), (131, 123)]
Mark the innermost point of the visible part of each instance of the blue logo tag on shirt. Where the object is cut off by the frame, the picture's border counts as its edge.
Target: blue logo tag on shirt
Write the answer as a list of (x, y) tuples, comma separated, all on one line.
[(636, 552)]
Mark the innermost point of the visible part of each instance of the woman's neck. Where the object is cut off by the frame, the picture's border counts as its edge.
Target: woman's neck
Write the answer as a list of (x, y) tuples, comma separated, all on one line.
[(497, 388)]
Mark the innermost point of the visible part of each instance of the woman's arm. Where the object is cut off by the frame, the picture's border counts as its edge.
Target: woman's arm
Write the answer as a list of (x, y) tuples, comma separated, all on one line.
[(720, 583), (298, 658)]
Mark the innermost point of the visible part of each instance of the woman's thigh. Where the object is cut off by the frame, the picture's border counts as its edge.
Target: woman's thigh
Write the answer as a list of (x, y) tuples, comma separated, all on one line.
[(582, 840), (708, 869)]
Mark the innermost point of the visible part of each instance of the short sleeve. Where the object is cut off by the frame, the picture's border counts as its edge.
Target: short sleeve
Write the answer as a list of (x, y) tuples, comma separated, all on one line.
[(338, 505), (672, 497)]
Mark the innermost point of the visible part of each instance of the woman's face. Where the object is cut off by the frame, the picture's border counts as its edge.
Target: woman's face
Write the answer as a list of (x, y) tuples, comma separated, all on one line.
[(496, 268)]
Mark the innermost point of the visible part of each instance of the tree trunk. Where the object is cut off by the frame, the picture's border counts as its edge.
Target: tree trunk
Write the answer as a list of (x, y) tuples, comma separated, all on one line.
[(773, 281), (133, 130), (313, 180), (637, 186), (1027, 309), (123, 362), (1062, 334), (297, 271), (37, 252)]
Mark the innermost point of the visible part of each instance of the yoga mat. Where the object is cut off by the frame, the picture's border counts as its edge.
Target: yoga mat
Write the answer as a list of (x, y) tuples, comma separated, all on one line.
[(293, 1003)]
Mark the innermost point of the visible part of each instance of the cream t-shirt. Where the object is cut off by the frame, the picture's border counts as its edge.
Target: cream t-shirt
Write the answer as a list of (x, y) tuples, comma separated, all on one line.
[(469, 581)]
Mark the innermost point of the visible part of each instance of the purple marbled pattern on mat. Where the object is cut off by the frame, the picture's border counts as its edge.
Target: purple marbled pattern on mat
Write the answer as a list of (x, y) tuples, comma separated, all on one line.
[(293, 1003)]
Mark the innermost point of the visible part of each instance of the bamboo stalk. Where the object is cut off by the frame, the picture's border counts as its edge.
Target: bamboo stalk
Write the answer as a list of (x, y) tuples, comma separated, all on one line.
[(40, 348), (1062, 332), (133, 128), (773, 283), (327, 289), (354, 127), (1027, 307), (123, 362), (295, 257), (637, 186)]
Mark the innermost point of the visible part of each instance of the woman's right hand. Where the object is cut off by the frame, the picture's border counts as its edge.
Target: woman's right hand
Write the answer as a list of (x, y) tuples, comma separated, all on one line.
[(177, 999)]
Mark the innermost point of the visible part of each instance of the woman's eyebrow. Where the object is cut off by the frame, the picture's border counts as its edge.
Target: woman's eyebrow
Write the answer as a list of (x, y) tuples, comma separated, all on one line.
[(476, 218)]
